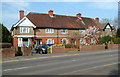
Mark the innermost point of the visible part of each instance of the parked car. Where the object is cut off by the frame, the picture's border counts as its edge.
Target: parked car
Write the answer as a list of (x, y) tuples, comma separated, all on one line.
[(50, 44), (41, 49)]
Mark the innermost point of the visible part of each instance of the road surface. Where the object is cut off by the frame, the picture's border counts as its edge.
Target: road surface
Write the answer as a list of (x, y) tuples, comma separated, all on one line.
[(104, 62)]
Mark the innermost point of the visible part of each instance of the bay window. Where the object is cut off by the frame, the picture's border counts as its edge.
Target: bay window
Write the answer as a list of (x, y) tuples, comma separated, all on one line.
[(24, 29)]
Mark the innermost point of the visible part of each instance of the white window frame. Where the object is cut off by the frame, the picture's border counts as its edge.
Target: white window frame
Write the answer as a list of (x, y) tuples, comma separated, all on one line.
[(52, 41), (82, 31), (49, 30), (82, 41), (65, 40), (93, 41), (20, 42), (27, 29), (64, 31)]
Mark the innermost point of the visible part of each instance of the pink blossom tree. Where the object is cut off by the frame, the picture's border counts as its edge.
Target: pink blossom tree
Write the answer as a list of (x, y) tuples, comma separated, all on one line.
[(91, 32)]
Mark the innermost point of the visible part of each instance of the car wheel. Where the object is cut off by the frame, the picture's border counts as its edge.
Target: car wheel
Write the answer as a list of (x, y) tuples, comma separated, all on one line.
[(40, 52), (43, 51)]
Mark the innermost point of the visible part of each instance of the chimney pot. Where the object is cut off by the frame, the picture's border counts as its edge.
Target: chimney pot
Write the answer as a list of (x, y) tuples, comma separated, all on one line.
[(21, 14), (97, 19), (50, 12), (79, 15)]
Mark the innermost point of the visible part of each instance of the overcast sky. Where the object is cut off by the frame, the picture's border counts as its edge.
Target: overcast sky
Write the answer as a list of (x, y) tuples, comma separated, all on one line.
[(10, 10)]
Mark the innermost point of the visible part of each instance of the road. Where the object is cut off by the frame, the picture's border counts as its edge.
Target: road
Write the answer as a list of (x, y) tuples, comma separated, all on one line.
[(104, 62)]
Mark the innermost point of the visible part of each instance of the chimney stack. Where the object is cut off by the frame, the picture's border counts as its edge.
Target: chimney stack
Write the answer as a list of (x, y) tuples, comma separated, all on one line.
[(50, 12), (21, 14), (79, 15), (97, 19)]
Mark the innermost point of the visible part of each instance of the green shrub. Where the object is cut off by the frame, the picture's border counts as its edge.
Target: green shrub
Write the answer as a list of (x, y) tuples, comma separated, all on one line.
[(5, 45), (57, 45), (105, 39), (116, 40), (78, 49), (48, 50), (67, 46)]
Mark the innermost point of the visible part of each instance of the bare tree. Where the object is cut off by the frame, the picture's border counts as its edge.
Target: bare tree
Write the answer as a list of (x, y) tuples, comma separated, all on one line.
[(115, 22), (106, 20), (76, 37)]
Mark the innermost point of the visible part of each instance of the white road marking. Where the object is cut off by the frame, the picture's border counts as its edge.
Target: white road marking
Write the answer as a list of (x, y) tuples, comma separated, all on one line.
[(73, 60), (16, 68)]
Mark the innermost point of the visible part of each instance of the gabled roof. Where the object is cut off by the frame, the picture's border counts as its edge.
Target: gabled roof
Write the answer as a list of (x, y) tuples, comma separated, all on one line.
[(23, 22), (108, 24), (103, 26), (59, 21)]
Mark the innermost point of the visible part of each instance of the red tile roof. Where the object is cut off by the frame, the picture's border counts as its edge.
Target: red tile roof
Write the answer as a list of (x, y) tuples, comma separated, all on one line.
[(59, 21)]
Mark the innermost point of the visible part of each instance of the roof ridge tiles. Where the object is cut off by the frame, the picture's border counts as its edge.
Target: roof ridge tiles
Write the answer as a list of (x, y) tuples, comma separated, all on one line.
[(57, 15)]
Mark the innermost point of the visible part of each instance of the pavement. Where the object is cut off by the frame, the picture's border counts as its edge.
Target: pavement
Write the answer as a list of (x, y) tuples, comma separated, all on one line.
[(67, 53), (99, 62)]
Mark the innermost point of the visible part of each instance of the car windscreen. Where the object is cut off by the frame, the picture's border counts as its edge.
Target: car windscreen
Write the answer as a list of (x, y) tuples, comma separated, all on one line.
[(44, 46)]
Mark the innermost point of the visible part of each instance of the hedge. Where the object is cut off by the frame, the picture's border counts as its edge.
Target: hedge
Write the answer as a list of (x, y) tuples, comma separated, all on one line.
[(67, 46), (105, 39), (5, 45), (116, 40)]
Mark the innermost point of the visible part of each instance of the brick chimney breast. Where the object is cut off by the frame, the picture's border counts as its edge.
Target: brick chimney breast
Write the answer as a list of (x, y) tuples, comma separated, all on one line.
[(21, 14), (79, 15), (97, 19), (50, 12)]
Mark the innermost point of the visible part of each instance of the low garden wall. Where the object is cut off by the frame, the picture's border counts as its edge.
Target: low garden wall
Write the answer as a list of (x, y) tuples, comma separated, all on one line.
[(58, 49), (27, 51), (71, 49), (97, 47), (11, 52), (8, 52), (113, 46)]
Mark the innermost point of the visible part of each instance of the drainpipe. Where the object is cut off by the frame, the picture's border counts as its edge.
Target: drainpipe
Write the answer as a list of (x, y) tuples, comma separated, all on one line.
[(57, 36)]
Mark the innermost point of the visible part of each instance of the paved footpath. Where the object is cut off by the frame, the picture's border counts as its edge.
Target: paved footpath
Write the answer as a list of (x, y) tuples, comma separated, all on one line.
[(42, 56)]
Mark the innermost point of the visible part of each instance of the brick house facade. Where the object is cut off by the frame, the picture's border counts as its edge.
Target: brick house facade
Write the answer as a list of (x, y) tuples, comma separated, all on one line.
[(49, 28)]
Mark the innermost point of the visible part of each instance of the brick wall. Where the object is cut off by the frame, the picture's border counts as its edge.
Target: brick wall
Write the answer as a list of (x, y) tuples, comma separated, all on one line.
[(113, 46), (58, 49), (8, 52), (97, 47), (71, 49), (27, 51), (15, 42)]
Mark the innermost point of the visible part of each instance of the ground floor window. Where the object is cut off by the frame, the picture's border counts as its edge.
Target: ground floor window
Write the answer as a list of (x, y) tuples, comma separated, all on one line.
[(24, 42), (49, 41), (64, 41), (82, 41), (93, 41), (20, 42)]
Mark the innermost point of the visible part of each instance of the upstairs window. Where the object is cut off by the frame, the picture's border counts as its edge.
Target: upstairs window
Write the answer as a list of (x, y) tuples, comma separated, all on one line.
[(82, 31), (64, 31), (49, 30), (24, 29)]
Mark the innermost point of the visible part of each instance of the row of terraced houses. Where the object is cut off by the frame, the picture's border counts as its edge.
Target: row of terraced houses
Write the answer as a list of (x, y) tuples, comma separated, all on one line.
[(50, 28)]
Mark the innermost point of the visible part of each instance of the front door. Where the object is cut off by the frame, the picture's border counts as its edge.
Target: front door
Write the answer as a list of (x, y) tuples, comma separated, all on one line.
[(38, 42)]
